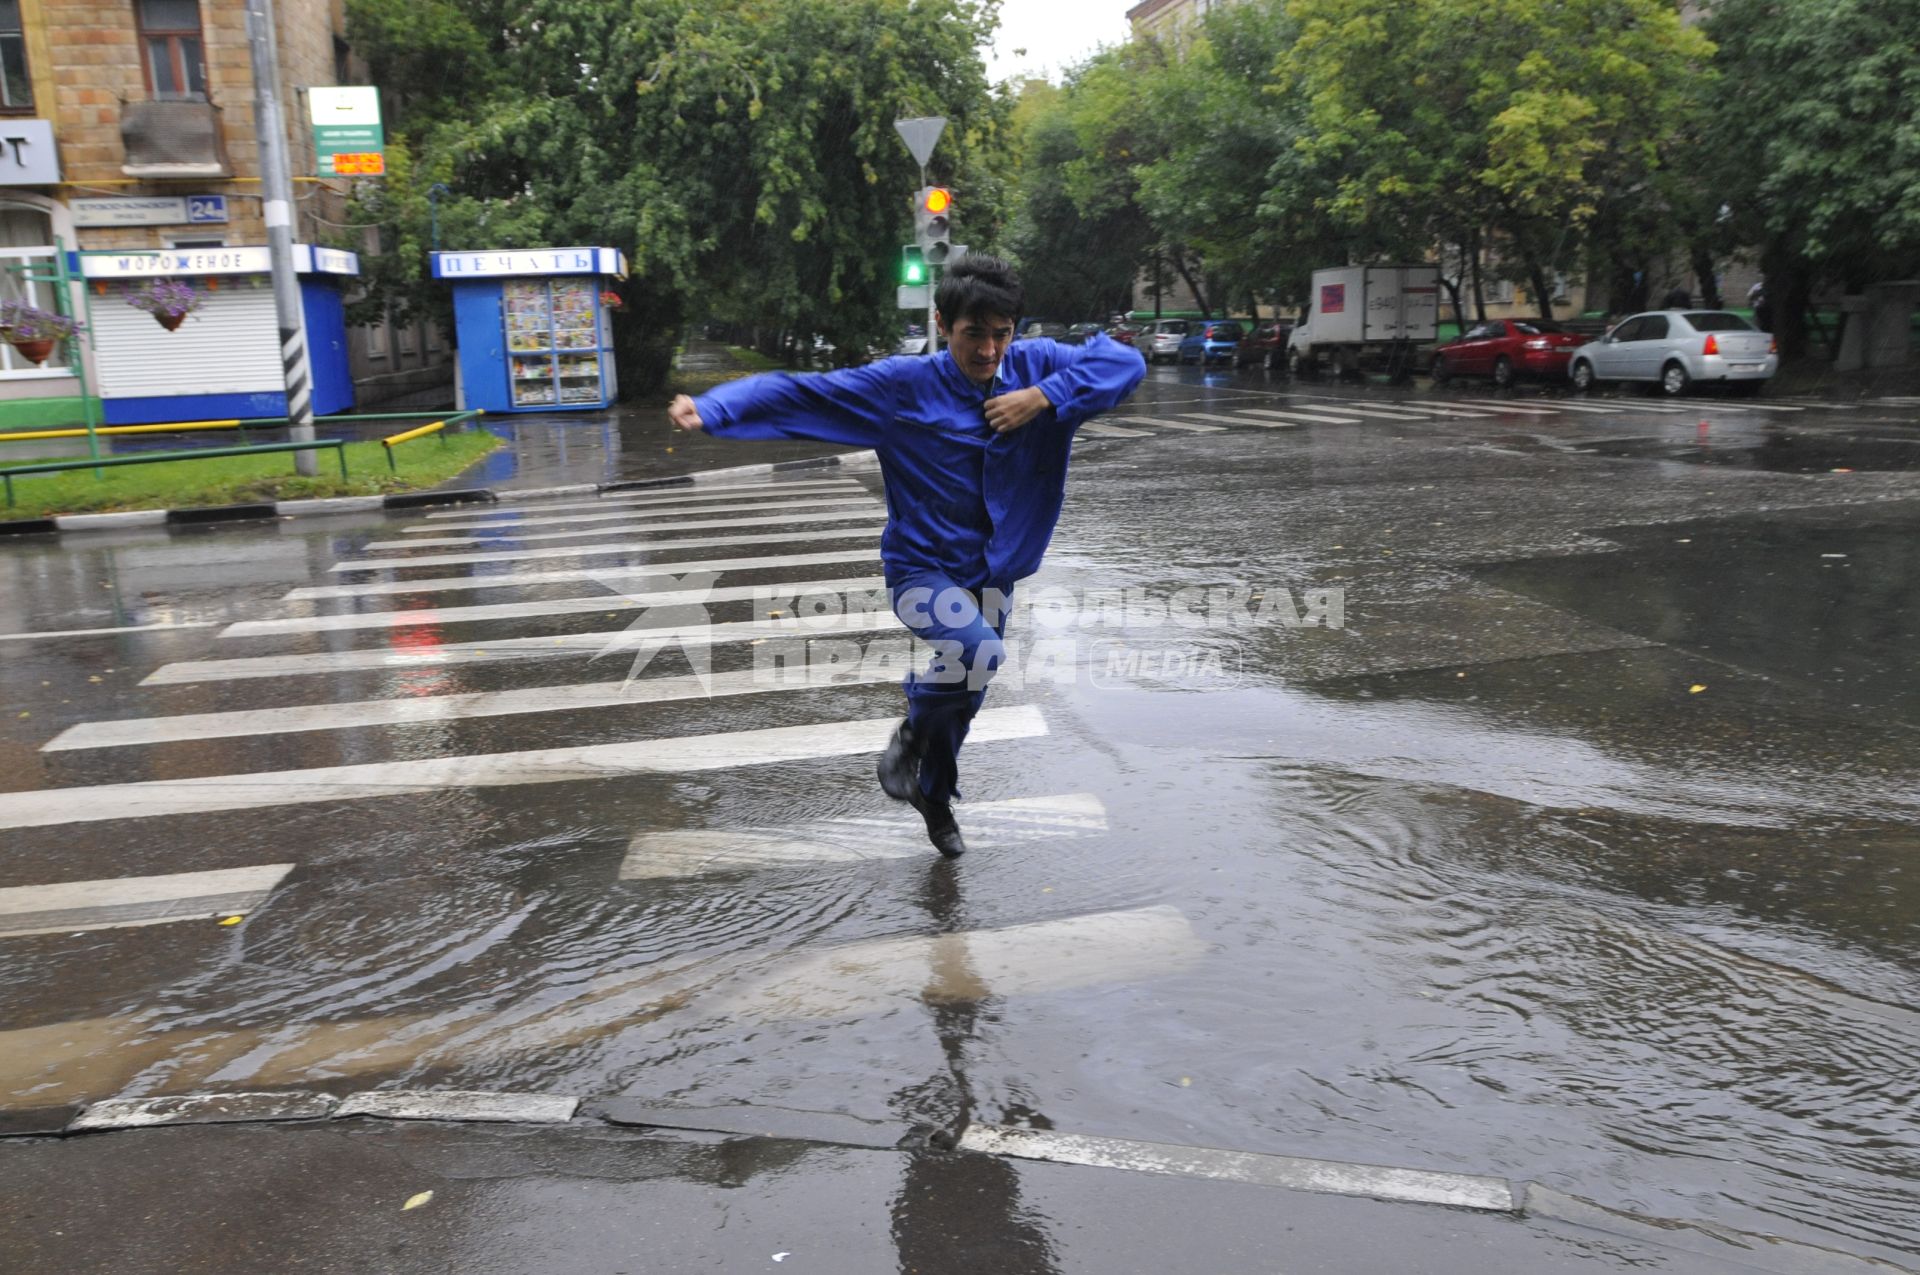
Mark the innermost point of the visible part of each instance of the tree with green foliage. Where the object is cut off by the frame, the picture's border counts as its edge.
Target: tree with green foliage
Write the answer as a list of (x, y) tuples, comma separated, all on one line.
[(742, 156), (1813, 143), (1444, 117)]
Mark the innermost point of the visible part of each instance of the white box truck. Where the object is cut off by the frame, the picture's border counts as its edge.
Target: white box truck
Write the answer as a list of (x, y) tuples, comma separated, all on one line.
[(1363, 318)]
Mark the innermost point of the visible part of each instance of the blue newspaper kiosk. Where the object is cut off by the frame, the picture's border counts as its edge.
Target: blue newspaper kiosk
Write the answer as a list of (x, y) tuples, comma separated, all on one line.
[(533, 332)]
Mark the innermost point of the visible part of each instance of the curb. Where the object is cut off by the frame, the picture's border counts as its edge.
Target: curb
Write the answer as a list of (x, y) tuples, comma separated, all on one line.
[(1470, 1193), (137, 519)]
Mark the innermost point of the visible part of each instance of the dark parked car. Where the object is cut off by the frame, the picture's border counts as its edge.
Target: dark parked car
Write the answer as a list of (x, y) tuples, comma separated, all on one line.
[(1127, 333), (1211, 341), (1079, 332), (1265, 345), (1506, 350), (1040, 327)]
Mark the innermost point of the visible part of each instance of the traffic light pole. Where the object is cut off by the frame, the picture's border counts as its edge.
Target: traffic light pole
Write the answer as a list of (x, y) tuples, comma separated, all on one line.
[(933, 285), (276, 186)]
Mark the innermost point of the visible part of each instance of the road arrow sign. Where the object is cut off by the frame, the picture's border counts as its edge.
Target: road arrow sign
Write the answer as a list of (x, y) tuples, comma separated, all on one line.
[(921, 134)]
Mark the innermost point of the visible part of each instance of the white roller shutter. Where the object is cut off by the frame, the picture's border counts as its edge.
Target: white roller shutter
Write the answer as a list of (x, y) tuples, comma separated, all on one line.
[(229, 346)]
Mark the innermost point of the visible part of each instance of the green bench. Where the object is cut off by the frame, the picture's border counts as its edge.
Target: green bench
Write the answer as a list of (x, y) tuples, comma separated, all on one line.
[(204, 453)]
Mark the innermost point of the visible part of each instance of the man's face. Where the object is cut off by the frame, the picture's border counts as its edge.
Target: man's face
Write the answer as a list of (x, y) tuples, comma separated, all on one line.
[(978, 342)]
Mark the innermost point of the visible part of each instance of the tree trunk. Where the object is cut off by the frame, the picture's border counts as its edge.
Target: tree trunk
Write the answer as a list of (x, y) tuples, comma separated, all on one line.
[(1193, 285), (1710, 298), (1789, 288), (1479, 283)]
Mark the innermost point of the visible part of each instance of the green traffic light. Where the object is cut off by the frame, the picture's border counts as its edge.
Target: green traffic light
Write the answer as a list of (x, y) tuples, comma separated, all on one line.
[(916, 273), (913, 264)]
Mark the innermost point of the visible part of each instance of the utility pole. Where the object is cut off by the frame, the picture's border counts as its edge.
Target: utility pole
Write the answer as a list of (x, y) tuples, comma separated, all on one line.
[(276, 184)]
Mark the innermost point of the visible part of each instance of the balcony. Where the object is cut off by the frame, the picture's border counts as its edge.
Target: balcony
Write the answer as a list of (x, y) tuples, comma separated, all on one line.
[(173, 138)]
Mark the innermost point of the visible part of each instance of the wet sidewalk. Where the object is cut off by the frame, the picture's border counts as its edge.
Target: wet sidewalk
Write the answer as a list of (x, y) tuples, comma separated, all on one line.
[(629, 441)]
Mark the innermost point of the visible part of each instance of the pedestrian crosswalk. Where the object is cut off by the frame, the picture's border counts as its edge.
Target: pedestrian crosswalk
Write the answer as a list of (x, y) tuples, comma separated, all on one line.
[(316, 702)]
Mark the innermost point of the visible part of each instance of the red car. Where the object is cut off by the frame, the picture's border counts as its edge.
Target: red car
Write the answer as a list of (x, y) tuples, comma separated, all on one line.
[(1265, 345), (1125, 332), (1506, 350)]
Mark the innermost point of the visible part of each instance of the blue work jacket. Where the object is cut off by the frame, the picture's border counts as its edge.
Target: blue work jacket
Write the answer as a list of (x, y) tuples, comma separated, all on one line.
[(973, 505)]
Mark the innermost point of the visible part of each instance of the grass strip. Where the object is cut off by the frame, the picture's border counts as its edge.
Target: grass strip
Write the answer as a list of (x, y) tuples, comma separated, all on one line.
[(229, 480)]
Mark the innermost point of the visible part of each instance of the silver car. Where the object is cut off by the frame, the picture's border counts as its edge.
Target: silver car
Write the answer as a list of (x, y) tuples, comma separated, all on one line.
[(1675, 348), (1164, 341)]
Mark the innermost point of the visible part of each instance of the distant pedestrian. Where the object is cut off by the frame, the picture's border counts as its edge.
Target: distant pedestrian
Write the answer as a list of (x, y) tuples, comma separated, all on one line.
[(974, 444), (1762, 307)]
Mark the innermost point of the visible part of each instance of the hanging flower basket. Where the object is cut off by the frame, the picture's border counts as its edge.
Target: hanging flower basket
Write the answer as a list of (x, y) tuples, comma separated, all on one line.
[(612, 300), (34, 332), (169, 301)]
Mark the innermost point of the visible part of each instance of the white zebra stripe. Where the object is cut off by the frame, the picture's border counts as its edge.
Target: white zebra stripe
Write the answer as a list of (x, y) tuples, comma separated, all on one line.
[(663, 496), (623, 547), (120, 902), (574, 575), (861, 502), (265, 790)]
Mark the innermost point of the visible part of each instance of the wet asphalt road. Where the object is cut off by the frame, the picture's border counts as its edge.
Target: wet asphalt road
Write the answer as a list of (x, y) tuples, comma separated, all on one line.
[(1580, 850)]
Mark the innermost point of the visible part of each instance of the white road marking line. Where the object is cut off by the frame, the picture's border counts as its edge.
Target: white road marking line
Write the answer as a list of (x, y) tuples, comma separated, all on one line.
[(663, 496), (120, 902), (1192, 427), (1094, 950), (686, 852), (574, 575), (128, 732), (866, 514), (1750, 406), (512, 530), (1496, 408), (124, 628), (270, 789), (621, 547), (1217, 418), (610, 642), (603, 602), (1268, 419), (1333, 1177), (1381, 413), (1104, 430)]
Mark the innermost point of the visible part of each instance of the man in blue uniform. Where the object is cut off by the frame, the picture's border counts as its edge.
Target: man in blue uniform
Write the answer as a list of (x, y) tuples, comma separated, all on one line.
[(973, 443)]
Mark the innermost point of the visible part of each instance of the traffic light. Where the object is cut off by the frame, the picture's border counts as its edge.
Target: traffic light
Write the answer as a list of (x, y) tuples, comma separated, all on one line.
[(913, 264), (932, 211)]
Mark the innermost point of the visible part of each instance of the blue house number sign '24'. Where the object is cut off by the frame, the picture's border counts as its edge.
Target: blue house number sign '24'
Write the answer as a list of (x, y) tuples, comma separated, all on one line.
[(206, 208)]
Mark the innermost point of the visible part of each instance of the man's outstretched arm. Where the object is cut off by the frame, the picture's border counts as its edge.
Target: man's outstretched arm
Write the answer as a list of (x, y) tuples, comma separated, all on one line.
[(852, 407), (1082, 380)]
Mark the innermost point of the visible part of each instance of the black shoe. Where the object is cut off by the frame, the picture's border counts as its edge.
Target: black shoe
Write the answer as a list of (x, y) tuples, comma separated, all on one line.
[(942, 828), (899, 766)]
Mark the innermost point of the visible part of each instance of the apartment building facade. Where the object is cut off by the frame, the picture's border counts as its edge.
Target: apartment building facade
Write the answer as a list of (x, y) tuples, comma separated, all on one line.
[(129, 125)]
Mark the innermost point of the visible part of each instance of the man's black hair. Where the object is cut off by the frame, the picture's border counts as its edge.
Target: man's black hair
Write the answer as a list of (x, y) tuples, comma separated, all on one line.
[(979, 286)]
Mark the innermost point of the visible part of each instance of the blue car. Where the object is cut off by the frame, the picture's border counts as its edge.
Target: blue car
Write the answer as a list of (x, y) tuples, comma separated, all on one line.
[(1211, 342)]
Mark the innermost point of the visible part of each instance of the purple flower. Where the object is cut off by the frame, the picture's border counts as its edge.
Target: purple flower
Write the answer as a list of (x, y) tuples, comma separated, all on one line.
[(168, 297)]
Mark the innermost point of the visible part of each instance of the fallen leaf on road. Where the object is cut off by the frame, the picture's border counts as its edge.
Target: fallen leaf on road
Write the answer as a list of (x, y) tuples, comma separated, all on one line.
[(1696, 688), (781, 1257), (232, 920), (414, 1202)]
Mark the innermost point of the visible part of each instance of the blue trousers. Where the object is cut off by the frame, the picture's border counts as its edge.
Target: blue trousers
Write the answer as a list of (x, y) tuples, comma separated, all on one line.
[(965, 624)]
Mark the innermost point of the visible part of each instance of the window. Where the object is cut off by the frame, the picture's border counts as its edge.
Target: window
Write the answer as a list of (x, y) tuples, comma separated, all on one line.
[(1653, 328), (1714, 321), (1500, 292), (1631, 330), (1538, 327), (16, 91), (170, 48)]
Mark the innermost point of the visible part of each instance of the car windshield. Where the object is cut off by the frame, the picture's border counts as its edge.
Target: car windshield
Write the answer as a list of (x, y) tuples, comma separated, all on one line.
[(1171, 326), (1718, 321), (1224, 331), (1538, 328)]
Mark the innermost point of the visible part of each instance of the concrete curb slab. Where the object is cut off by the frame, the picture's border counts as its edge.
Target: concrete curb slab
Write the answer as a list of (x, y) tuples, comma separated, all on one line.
[(134, 519), (1378, 1182), (329, 505), (220, 513), (465, 1105), (782, 1123), (41, 1122), (123, 521), (227, 1108)]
